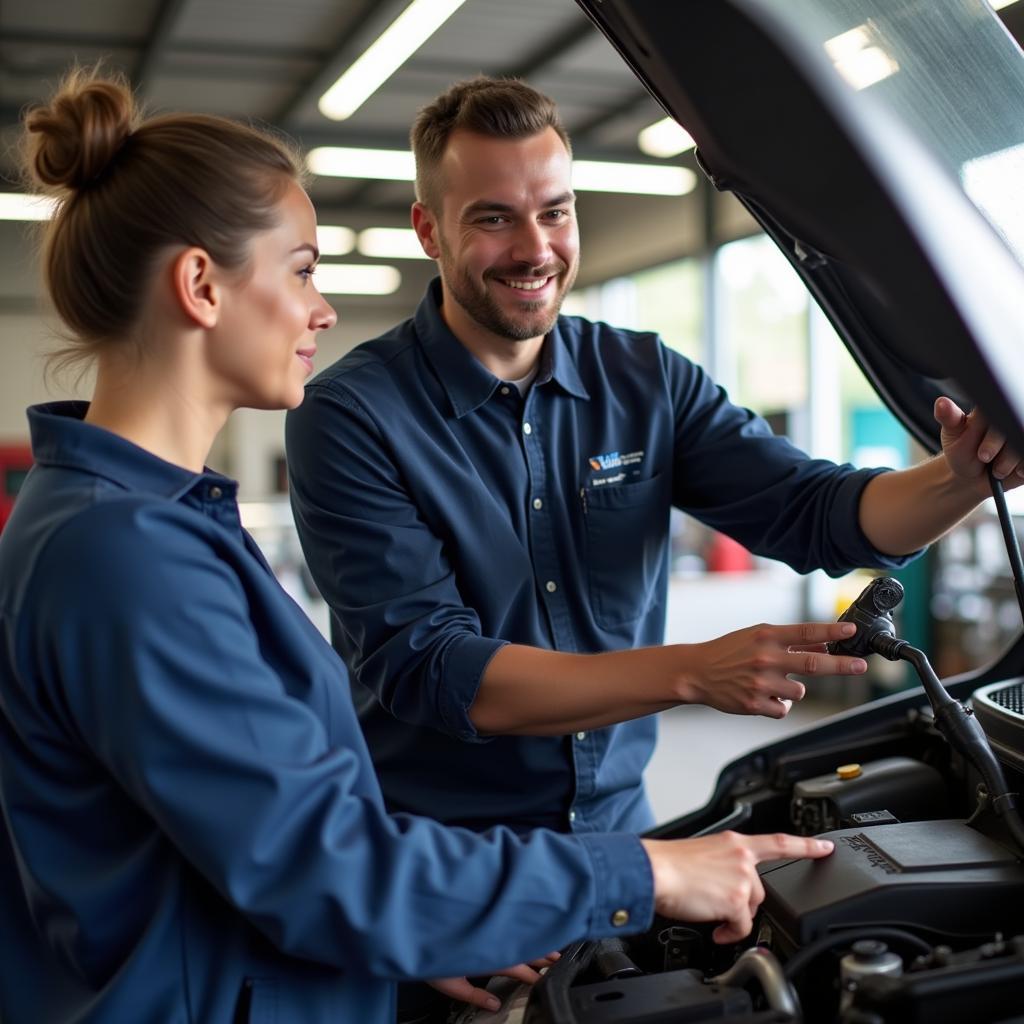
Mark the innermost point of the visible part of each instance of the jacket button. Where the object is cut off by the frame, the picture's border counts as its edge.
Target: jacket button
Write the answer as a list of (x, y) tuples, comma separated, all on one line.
[(216, 493), (620, 918)]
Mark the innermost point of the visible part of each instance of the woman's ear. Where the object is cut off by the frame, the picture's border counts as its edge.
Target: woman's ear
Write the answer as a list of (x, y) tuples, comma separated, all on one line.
[(195, 288)]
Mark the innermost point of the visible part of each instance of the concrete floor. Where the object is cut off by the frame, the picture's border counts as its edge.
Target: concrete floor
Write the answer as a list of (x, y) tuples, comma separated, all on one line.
[(694, 743)]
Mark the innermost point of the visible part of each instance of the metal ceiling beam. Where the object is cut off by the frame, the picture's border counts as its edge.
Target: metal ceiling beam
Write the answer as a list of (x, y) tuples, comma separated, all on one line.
[(363, 196), (157, 42), (56, 69), (541, 58), (628, 105), (200, 47), (551, 51), (102, 40), (368, 21)]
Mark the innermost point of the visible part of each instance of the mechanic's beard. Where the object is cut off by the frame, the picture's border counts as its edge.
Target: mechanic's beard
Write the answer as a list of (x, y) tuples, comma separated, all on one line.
[(536, 318)]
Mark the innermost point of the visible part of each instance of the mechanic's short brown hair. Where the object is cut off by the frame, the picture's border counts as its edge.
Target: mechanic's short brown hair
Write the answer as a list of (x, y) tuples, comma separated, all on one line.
[(502, 108)]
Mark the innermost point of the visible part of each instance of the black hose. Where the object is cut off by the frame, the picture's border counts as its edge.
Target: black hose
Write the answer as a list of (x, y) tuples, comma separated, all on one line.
[(736, 817), (966, 736), (801, 960), (761, 965), (961, 730)]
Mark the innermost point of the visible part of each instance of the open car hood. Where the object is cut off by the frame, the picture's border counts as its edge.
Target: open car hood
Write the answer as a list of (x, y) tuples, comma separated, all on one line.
[(897, 200)]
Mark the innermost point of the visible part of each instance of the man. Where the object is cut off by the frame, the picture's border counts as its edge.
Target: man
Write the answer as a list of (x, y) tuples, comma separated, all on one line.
[(483, 497)]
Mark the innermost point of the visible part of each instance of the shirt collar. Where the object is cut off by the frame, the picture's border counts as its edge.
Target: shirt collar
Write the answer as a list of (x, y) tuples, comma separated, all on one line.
[(61, 437), (467, 382)]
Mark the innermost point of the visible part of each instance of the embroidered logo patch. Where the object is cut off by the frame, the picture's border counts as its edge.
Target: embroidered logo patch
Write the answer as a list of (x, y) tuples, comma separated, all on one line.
[(613, 460), (610, 461)]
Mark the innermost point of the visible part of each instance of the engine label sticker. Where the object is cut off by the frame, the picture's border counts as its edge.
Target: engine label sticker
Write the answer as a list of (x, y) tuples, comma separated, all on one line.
[(876, 858)]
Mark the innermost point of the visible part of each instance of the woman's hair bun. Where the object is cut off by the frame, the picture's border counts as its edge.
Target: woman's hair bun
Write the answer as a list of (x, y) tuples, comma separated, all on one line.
[(72, 141)]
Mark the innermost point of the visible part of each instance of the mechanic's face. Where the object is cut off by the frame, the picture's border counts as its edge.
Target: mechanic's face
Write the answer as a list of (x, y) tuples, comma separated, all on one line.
[(506, 237)]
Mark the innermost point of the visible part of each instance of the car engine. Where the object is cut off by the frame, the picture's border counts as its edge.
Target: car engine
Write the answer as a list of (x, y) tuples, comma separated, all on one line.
[(917, 916)]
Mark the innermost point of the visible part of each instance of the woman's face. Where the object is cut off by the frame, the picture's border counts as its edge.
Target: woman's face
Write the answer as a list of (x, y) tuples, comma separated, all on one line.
[(263, 345)]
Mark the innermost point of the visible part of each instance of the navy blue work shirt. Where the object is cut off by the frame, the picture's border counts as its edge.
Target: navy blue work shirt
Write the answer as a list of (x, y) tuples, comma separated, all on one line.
[(191, 826), (443, 515)]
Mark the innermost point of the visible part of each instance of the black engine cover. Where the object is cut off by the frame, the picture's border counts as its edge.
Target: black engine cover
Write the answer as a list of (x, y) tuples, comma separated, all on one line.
[(940, 879)]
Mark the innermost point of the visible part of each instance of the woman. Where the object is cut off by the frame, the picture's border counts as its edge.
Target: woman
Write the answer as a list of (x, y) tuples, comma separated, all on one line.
[(192, 830)]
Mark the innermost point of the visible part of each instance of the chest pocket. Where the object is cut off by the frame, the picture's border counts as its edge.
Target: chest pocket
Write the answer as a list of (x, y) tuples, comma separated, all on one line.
[(626, 529)]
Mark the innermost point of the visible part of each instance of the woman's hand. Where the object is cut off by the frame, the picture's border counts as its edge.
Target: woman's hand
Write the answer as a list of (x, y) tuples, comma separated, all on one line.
[(465, 991), (715, 878)]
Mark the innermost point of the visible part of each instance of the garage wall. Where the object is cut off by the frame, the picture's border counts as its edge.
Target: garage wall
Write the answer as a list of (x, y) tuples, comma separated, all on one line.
[(25, 338)]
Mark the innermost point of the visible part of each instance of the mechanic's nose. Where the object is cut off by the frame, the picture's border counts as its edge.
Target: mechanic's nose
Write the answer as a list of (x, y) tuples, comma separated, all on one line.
[(531, 246)]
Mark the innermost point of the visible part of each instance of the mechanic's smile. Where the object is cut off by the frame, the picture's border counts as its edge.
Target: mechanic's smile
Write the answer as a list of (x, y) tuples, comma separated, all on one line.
[(532, 284)]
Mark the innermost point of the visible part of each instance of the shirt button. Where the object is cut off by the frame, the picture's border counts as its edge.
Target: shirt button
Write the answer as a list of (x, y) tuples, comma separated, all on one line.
[(572, 815), (216, 493), (581, 736), (527, 429), (504, 389), (620, 918), (551, 586), (538, 504)]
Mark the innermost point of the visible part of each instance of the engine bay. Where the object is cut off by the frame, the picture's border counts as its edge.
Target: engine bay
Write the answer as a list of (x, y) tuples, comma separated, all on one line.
[(918, 915)]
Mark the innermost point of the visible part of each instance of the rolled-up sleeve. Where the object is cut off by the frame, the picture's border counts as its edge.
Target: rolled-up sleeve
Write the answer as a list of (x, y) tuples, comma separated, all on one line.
[(161, 674), (398, 618), (734, 474)]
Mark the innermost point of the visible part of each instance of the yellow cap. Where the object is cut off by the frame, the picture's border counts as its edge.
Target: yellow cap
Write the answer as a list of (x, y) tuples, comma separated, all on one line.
[(849, 771)]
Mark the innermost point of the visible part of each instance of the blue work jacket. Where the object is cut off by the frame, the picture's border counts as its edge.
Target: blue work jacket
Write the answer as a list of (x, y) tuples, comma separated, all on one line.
[(192, 830), (443, 514)]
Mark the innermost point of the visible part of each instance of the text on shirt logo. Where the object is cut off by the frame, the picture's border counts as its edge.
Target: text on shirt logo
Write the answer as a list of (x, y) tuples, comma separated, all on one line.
[(613, 460)]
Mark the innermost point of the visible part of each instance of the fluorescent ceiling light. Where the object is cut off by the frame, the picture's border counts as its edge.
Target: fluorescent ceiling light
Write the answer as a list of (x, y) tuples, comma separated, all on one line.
[(665, 138), (379, 164), (19, 206), (636, 179), (859, 59), (406, 34), (356, 279), (335, 241), (391, 244), (588, 175), (998, 5)]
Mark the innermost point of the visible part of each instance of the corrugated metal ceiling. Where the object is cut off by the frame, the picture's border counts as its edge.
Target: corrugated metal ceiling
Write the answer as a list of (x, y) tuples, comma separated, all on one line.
[(270, 60)]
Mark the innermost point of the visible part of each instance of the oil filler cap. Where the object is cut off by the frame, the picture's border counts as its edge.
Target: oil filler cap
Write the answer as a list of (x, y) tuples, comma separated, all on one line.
[(849, 771)]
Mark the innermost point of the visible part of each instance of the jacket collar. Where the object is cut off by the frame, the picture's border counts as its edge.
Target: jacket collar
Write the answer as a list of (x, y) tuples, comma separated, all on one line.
[(61, 437), (467, 382)]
